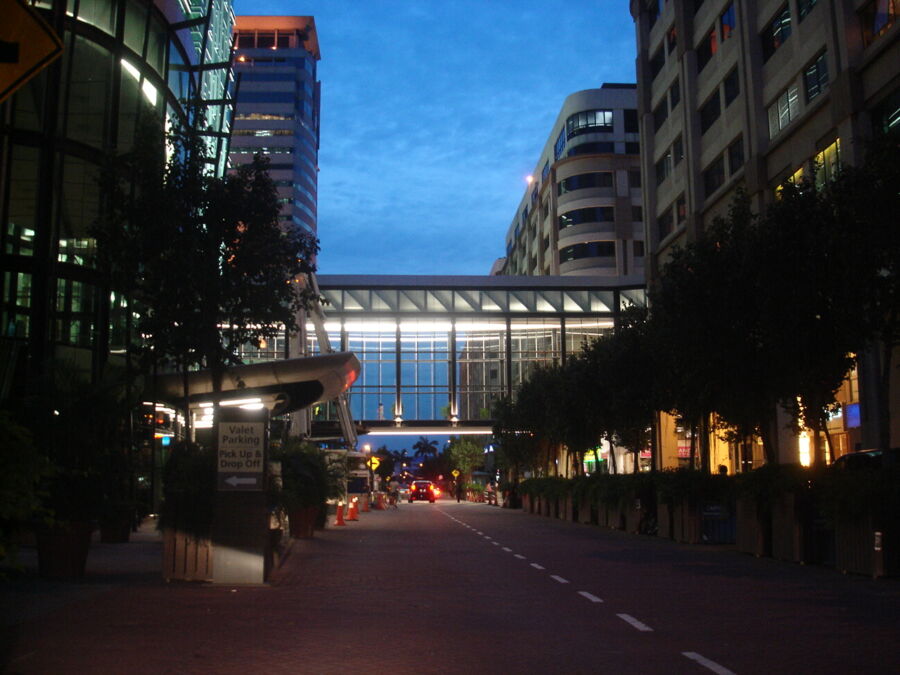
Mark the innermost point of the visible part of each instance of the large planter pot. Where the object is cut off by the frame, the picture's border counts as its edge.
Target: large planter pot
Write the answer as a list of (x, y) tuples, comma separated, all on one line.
[(526, 503), (63, 550), (791, 525), (302, 521), (584, 511), (567, 509), (665, 528), (186, 557), (115, 528), (753, 533), (615, 516), (686, 522), (633, 515), (861, 546)]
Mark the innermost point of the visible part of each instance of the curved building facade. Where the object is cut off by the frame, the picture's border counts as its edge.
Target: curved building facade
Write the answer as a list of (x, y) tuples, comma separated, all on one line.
[(121, 60), (581, 213)]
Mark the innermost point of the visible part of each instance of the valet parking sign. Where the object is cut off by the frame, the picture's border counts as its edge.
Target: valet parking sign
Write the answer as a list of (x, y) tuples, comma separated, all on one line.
[(242, 452)]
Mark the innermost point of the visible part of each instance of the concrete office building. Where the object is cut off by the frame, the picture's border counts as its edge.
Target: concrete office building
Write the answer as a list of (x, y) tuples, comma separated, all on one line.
[(277, 110), (120, 61), (581, 212), (748, 94)]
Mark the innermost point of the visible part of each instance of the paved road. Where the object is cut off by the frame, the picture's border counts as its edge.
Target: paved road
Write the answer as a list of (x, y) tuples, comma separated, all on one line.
[(469, 588)]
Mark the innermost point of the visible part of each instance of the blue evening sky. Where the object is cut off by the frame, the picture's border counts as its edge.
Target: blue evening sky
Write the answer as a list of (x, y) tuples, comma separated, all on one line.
[(433, 112)]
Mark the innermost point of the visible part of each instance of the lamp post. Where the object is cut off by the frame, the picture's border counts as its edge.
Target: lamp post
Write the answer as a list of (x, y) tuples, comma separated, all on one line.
[(368, 449)]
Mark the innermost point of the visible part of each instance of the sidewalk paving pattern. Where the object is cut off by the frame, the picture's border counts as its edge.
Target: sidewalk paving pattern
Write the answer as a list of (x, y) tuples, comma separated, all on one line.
[(416, 590)]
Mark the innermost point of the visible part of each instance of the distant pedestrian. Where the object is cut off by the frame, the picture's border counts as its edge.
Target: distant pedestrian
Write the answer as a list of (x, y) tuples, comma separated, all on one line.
[(459, 492)]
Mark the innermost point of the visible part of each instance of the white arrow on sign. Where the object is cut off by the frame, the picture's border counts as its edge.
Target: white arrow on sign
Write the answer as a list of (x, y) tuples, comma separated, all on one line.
[(234, 481)]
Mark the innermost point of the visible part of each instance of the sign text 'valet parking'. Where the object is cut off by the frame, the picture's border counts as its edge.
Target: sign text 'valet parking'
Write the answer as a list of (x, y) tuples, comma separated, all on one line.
[(241, 456)]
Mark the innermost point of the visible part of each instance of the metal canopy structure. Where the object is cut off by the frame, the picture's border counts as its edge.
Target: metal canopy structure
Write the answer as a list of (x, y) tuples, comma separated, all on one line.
[(283, 386)]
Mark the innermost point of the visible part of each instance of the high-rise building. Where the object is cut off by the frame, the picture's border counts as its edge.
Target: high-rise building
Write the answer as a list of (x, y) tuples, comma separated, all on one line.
[(121, 60), (749, 94), (581, 212), (277, 110)]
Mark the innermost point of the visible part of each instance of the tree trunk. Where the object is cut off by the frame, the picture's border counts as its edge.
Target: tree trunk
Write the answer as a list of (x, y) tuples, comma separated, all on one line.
[(704, 443), (693, 458)]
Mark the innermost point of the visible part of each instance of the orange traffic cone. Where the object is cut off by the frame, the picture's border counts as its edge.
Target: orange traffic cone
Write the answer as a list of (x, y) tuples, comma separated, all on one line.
[(353, 510), (340, 514)]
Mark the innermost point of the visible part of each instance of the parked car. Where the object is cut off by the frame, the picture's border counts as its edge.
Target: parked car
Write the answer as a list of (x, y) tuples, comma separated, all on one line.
[(868, 459), (421, 490)]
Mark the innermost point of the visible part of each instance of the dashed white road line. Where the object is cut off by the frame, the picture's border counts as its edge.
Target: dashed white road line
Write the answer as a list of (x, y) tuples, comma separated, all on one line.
[(519, 556), (706, 663), (627, 618), (478, 532), (536, 566), (495, 543), (589, 596), (507, 549), (559, 579)]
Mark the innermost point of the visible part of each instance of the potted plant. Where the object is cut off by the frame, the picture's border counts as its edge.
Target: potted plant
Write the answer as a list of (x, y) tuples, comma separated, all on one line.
[(308, 480)]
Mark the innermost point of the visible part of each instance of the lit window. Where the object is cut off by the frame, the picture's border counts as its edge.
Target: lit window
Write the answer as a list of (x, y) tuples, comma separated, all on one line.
[(827, 163), (776, 33), (785, 109), (815, 77)]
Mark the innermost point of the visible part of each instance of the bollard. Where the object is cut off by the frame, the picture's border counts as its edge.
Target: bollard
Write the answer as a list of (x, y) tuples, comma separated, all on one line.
[(365, 504), (340, 514)]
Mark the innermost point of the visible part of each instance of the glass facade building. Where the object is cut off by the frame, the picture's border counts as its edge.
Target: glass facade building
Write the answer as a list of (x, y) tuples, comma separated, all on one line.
[(441, 350), (121, 60)]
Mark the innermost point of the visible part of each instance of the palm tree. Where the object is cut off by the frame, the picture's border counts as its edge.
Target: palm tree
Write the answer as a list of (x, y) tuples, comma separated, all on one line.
[(425, 448)]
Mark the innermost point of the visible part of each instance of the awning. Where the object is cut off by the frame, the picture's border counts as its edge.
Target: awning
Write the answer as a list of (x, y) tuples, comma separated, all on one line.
[(283, 385)]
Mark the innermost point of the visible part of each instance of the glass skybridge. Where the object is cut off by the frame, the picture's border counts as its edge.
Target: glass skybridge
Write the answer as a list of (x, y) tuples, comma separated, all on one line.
[(436, 352)]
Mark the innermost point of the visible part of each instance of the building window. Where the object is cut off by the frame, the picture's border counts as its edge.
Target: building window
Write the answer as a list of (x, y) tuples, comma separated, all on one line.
[(638, 245), (664, 167), (815, 77), (736, 155), (710, 112), (664, 224), (657, 61), (632, 148), (634, 178), (597, 148), (677, 151), (827, 163), (671, 39), (637, 213), (589, 121), (545, 171), (714, 176), (560, 145), (680, 210), (674, 94), (654, 9), (729, 21), (593, 249), (596, 214), (602, 179), (804, 7), (660, 114), (886, 115), (785, 109), (631, 121), (776, 33), (731, 87), (876, 17), (705, 50)]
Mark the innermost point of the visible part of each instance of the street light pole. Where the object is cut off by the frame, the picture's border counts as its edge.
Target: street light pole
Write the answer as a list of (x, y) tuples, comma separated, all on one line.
[(368, 449)]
